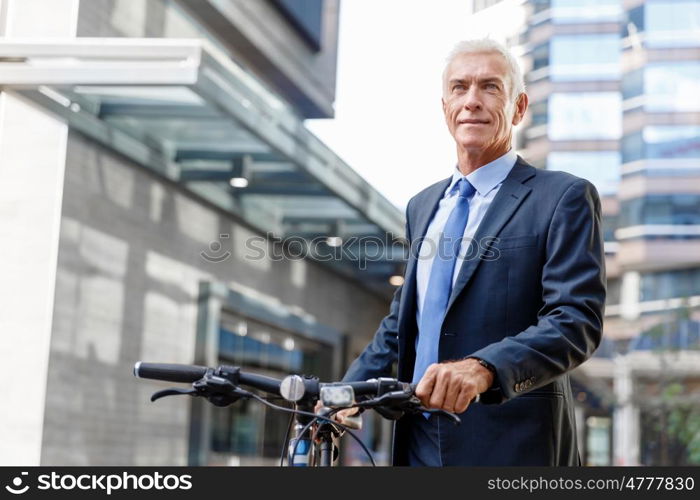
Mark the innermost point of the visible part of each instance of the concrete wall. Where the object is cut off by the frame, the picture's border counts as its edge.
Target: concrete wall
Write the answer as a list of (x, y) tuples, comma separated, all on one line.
[(129, 266)]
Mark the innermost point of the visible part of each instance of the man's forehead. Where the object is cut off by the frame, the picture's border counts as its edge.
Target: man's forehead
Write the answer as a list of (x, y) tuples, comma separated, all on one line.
[(478, 64)]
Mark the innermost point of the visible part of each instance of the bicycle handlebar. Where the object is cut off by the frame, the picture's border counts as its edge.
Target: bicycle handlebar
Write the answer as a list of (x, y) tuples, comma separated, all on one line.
[(191, 373), (169, 372), (389, 397)]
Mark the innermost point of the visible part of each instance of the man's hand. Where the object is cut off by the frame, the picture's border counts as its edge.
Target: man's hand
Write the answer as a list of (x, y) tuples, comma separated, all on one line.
[(340, 416), (451, 386)]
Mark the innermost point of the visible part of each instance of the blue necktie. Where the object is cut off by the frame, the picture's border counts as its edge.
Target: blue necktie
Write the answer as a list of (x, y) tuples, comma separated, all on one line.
[(440, 283)]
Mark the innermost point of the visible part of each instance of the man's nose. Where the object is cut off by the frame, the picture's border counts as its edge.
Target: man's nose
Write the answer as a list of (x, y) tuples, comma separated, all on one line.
[(472, 99)]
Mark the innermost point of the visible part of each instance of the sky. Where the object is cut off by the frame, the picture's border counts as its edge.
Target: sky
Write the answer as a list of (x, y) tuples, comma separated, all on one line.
[(388, 124)]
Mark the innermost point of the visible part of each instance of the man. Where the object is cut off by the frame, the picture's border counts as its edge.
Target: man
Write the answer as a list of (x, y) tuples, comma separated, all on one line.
[(521, 305)]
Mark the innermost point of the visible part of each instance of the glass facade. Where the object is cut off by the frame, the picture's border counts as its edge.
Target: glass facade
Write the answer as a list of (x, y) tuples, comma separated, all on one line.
[(249, 430), (633, 83), (670, 284), (662, 141), (672, 24), (584, 57), (666, 86), (610, 224), (538, 111), (652, 134), (585, 115), (602, 168), (673, 86), (540, 56), (661, 209), (580, 11)]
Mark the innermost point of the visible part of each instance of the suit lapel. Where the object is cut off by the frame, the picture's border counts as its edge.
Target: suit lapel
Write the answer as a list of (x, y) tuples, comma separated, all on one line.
[(509, 197), (420, 226)]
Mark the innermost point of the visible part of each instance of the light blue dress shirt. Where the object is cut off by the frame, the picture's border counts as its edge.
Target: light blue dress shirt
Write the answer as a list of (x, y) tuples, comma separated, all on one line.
[(487, 181)]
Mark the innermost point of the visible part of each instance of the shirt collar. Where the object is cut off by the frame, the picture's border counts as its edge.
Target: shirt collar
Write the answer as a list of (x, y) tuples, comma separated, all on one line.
[(487, 177)]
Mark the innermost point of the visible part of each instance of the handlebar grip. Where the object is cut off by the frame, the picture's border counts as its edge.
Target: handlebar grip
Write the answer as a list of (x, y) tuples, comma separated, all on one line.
[(169, 372)]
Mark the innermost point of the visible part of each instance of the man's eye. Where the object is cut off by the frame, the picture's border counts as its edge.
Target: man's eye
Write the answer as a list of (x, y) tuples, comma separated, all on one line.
[(458, 87), (492, 86)]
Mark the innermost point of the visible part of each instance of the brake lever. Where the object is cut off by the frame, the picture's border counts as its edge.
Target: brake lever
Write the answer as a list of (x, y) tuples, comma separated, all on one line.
[(219, 391), (396, 397), (173, 391), (391, 405), (414, 405), (435, 411)]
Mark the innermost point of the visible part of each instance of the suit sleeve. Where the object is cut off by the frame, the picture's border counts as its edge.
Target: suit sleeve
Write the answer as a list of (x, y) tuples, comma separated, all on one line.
[(379, 356), (570, 322)]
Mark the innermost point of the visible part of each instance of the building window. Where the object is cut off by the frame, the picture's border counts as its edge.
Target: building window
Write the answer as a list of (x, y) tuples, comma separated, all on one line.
[(667, 209), (538, 111), (662, 141), (540, 56), (237, 328), (610, 224), (672, 24), (669, 284), (585, 57), (251, 432), (673, 86), (583, 11), (586, 115), (602, 168), (634, 23), (633, 83)]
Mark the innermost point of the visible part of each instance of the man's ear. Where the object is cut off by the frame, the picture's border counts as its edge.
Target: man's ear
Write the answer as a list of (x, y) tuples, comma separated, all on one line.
[(520, 108)]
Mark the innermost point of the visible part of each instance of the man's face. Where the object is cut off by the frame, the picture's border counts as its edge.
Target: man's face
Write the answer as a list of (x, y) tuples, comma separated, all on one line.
[(477, 105)]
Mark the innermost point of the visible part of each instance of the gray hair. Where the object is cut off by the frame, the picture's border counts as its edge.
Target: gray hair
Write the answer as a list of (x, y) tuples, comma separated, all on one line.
[(517, 83)]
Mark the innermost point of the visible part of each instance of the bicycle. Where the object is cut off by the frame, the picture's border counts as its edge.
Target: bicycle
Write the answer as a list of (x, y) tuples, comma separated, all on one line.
[(309, 446)]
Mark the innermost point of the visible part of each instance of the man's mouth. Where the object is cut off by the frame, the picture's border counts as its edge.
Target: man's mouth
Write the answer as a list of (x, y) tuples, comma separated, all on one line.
[(472, 122)]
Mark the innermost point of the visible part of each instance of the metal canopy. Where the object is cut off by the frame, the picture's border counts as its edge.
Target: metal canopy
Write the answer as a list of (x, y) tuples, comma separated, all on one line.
[(185, 110)]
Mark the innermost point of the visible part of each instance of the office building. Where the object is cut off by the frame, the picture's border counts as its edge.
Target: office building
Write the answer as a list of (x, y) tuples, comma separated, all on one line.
[(613, 88)]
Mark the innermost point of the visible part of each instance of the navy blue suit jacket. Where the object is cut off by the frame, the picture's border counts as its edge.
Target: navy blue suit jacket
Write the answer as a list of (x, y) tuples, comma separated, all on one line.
[(530, 302)]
